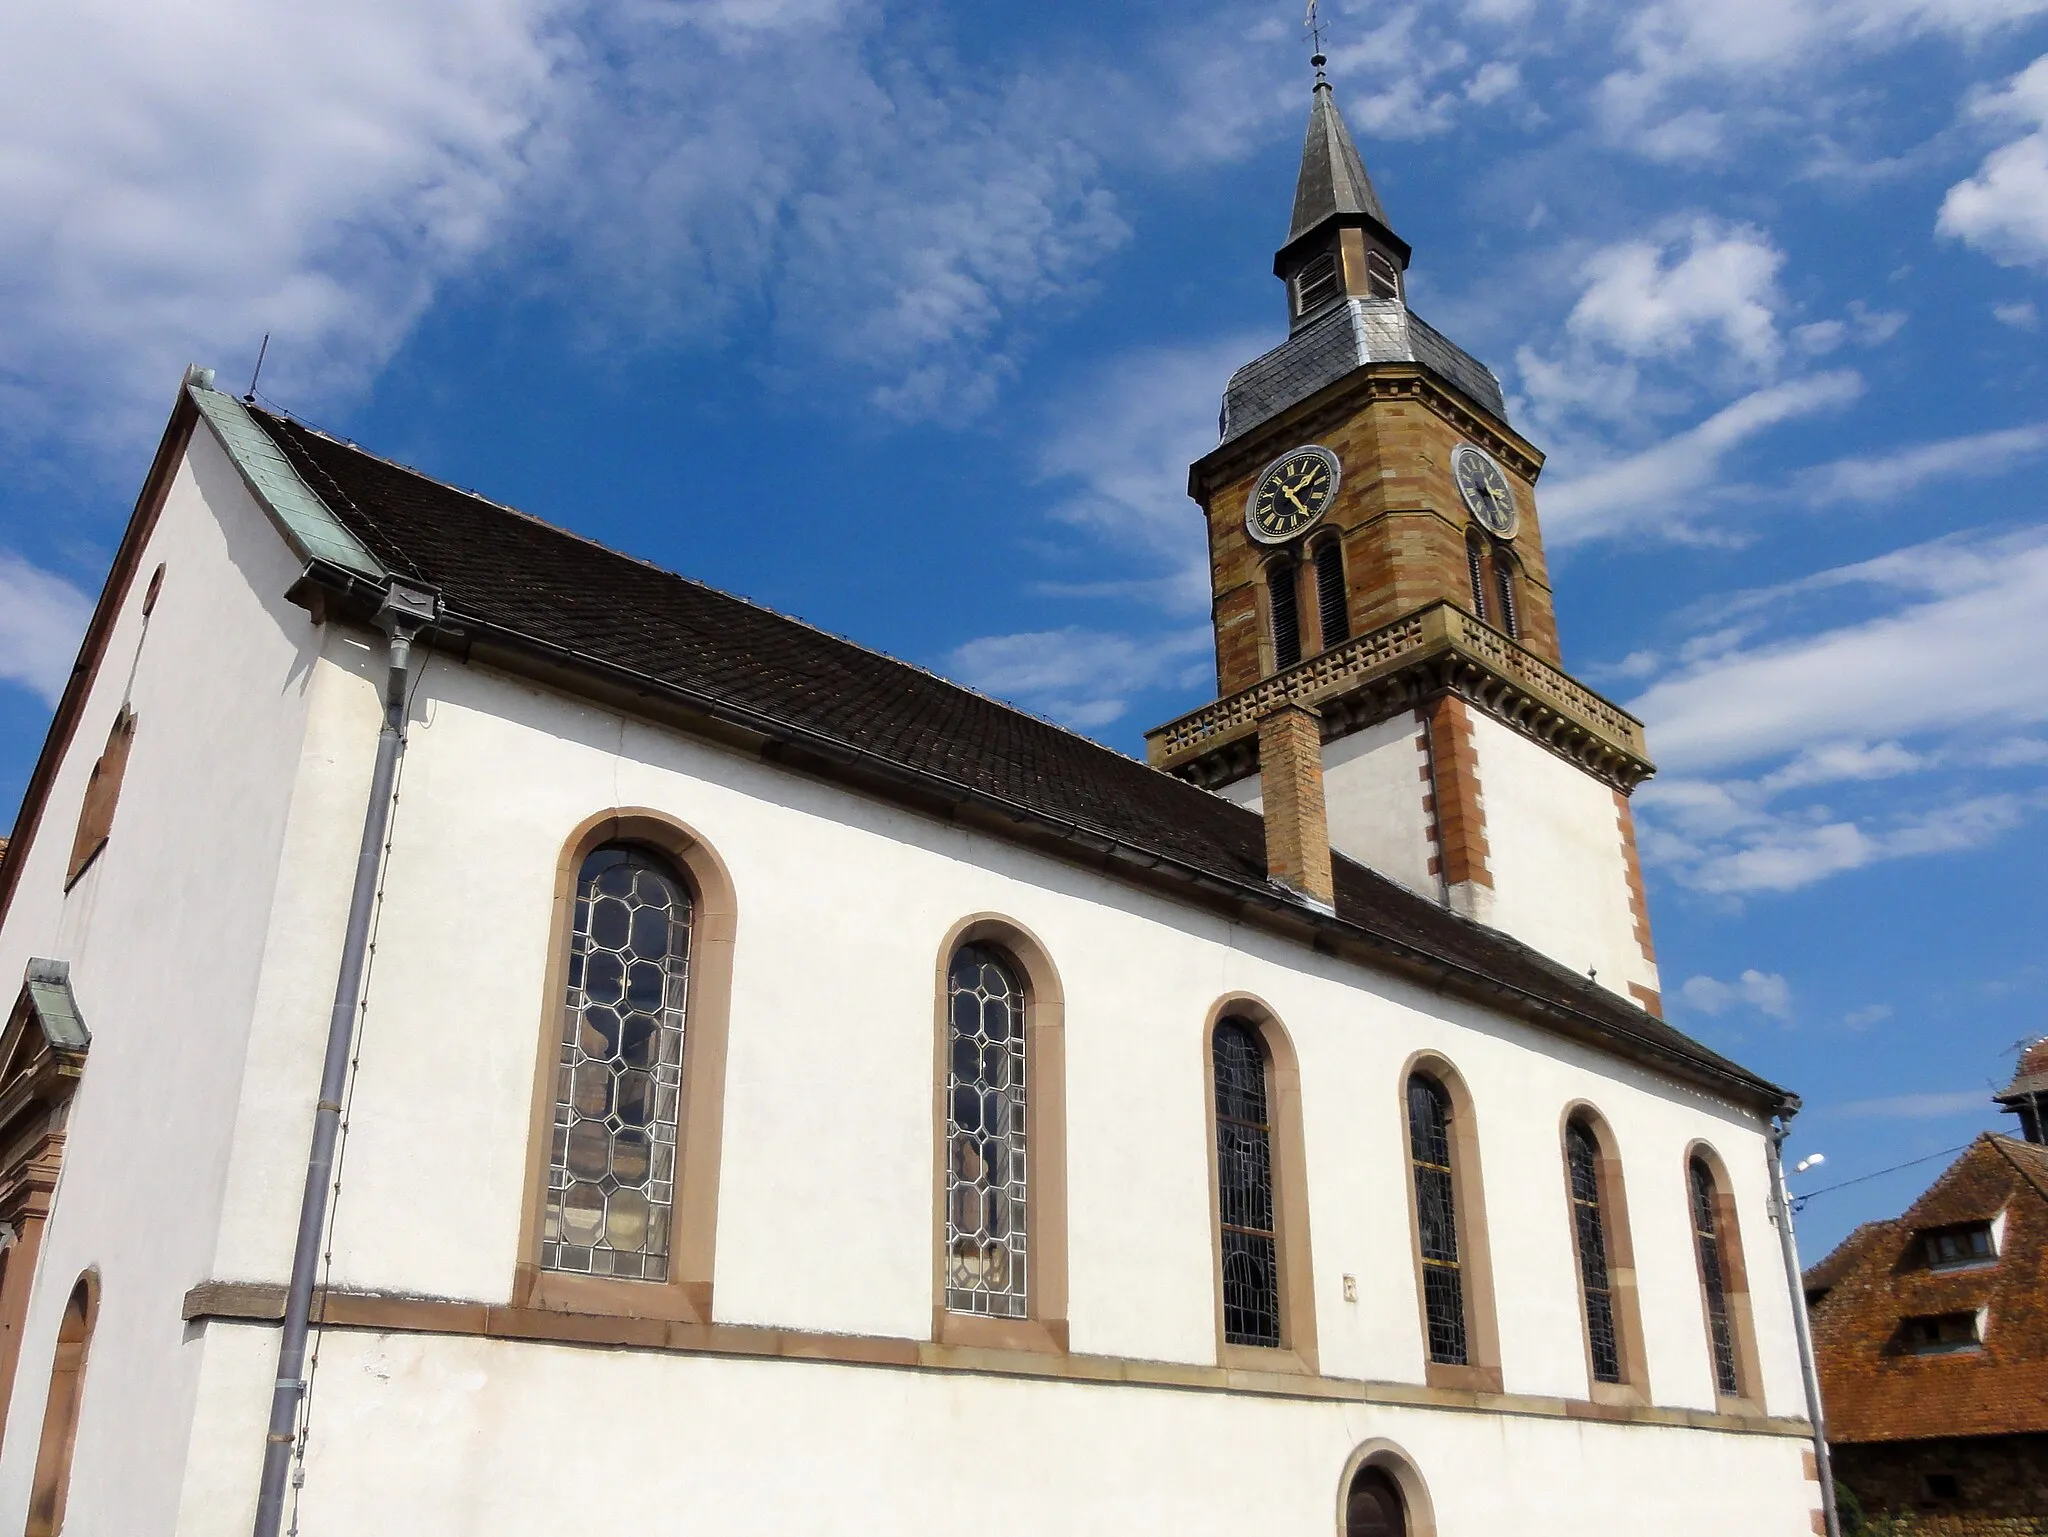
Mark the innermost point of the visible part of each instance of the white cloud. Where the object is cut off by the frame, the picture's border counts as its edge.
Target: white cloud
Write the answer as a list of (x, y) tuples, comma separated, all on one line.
[(1862, 479), (1749, 724), (1496, 78), (180, 179), (1657, 490), (1123, 441), (2020, 315), (1658, 298), (2003, 209), (1919, 667), (41, 619), (1084, 678), (1768, 993), (1751, 47), (1914, 1107), (1868, 1015)]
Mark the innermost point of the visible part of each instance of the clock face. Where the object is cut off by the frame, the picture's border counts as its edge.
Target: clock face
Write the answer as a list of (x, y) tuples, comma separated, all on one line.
[(1295, 490), (1486, 490)]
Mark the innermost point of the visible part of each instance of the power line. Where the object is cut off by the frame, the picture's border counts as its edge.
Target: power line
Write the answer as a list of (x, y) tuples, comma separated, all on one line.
[(1800, 1201)]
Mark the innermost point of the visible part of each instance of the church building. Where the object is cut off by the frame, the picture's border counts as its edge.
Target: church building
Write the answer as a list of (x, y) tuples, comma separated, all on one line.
[(504, 1038)]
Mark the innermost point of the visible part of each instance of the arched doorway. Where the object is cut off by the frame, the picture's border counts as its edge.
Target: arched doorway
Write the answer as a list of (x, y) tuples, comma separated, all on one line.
[(1374, 1507)]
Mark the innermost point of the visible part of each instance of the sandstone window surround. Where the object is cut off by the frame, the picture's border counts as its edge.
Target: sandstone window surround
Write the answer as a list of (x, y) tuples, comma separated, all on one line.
[(1724, 1283), (1382, 1495), (1597, 1208), (597, 1102), (1265, 1299), (1447, 1217), (51, 1488), (999, 1163), (42, 1059)]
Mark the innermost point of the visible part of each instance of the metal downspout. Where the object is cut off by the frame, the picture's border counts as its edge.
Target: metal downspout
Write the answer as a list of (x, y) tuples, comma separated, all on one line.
[(1781, 1128), (405, 611)]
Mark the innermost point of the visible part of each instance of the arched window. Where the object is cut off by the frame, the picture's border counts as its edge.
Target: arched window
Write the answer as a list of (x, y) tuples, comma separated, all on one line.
[(52, 1485), (1475, 561), (1331, 607), (1373, 1506), (1244, 1187), (1504, 584), (1280, 588), (987, 1228), (612, 1172), (1436, 1219), (1589, 1228), (1713, 1278)]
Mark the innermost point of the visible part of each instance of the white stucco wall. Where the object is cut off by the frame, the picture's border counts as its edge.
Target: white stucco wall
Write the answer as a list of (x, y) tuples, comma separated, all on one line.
[(163, 933), (1554, 847), (1374, 785), (458, 1436), (825, 1219), (1374, 782)]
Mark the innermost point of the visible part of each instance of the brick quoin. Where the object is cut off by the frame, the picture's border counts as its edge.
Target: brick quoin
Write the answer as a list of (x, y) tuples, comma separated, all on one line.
[(1638, 902), (1457, 808)]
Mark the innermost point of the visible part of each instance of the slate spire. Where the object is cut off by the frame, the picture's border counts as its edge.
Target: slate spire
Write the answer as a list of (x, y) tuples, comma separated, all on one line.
[(1333, 186)]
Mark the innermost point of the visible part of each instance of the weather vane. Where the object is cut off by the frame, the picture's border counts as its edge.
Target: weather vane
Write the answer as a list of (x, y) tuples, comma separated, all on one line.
[(1314, 22)]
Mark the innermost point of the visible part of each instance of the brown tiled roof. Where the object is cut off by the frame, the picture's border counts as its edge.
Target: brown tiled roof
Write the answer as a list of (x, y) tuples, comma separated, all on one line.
[(1873, 1388), (525, 582)]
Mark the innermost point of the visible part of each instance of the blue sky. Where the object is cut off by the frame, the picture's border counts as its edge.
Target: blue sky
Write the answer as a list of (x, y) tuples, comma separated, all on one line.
[(907, 319)]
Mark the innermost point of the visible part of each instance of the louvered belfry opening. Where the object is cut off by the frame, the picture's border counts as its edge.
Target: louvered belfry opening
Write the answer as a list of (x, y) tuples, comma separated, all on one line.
[(1281, 581), (1332, 606)]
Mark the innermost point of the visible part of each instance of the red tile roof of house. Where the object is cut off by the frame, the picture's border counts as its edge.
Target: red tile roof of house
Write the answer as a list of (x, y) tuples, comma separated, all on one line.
[(1873, 1386)]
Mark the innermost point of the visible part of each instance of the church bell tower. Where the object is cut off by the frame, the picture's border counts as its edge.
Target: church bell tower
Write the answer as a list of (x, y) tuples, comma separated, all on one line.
[(1386, 651)]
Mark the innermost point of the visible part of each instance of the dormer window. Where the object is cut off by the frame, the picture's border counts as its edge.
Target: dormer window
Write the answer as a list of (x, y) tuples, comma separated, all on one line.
[(1959, 1247), (1942, 1334), (1317, 283), (1382, 277)]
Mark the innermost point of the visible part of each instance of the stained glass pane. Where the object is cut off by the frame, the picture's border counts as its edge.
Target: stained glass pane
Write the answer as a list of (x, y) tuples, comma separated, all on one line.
[(1722, 1336), (1244, 1188), (611, 1179), (986, 1194), (1436, 1218), (1582, 1157)]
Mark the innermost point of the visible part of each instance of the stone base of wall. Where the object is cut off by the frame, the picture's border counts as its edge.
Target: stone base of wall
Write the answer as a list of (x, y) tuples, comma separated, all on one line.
[(1976, 1486)]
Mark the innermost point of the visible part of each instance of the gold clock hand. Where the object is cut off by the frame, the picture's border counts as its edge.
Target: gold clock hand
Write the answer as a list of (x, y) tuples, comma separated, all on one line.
[(1296, 500)]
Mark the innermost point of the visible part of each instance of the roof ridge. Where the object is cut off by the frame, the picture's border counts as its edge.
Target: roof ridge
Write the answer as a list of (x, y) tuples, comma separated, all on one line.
[(698, 583), (2005, 1146)]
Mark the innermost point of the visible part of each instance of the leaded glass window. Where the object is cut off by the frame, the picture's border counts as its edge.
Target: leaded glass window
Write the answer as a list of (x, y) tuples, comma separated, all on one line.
[(1436, 1219), (1582, 1156), (1244, 1188), (986, 1205), (612, 1170), (1712, 1278)]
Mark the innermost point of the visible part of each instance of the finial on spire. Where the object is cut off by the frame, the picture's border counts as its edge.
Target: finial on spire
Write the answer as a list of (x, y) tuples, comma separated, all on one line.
[(1314, 22)]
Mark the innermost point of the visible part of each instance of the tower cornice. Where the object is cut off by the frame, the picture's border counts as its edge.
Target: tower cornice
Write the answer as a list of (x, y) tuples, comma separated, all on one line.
[(1435, 650)]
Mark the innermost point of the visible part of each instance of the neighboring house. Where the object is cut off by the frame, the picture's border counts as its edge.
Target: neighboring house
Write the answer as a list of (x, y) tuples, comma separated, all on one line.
[(1932, 1336), (792, 1093)]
